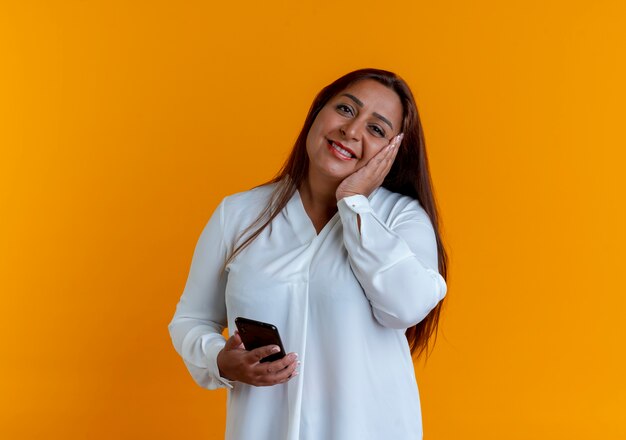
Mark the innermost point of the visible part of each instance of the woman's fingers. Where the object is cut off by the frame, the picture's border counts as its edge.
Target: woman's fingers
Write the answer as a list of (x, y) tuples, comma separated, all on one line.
[(262, 352), (392, 149), (280, 371), (387, 157), (287, 373), (391, 154), (235, 363), (379, 165), (233, 342), (280, 364)]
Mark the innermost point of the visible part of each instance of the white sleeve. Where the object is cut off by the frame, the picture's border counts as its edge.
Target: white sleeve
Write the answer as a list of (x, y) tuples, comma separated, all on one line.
[(396, 265), (200, 317)]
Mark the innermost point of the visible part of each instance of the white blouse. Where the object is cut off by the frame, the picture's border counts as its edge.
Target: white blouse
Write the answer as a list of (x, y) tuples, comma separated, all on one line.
[(341, 299)]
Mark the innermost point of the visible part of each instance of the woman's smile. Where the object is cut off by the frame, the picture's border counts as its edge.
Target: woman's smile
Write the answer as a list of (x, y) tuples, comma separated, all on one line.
[(340, 151)]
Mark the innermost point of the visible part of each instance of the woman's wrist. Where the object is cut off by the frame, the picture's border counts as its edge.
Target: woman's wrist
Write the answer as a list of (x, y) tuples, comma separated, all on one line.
[(343, 195), (220, 363)]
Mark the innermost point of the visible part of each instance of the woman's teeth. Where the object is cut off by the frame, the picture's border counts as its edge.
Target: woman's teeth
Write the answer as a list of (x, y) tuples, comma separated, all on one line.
[(341, 150)]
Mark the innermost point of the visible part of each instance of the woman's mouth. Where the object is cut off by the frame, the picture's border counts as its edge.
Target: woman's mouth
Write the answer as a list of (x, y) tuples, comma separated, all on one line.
[(340, 151)]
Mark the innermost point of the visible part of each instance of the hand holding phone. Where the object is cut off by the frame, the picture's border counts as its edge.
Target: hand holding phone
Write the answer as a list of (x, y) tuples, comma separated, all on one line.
[(256, 366), (257, 334)]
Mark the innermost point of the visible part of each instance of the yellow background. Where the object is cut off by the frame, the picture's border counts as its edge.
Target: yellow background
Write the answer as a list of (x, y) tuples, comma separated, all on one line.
[(123, 124)]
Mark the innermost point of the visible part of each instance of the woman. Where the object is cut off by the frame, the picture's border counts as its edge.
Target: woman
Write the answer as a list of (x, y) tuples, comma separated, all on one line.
[(341, 252)]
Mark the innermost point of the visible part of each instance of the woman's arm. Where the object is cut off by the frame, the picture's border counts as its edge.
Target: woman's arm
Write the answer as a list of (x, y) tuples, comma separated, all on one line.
[(397, 264), (200, 317)]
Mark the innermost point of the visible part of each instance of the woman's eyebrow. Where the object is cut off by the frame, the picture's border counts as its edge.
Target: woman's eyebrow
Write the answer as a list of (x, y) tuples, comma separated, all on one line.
[(358, 102)]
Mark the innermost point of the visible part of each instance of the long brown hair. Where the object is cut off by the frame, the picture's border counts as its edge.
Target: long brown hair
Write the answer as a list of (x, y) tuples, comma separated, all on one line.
[(409, 175)]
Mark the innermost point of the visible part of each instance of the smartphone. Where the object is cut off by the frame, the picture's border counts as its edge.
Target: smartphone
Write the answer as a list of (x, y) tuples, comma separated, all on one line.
[(255, 334)]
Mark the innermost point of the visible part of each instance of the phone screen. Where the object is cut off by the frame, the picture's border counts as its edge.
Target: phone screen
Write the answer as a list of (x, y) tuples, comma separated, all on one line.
[(255, 334)]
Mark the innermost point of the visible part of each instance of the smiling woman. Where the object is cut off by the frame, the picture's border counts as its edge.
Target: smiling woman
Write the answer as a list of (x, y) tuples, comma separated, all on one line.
[(353, 127), (341, 252)]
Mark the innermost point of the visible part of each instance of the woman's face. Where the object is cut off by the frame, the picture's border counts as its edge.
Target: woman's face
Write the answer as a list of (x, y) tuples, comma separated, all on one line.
[(351, 128)]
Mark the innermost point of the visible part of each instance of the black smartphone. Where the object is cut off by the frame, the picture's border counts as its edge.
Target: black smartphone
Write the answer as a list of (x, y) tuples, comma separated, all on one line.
[(255, 334)]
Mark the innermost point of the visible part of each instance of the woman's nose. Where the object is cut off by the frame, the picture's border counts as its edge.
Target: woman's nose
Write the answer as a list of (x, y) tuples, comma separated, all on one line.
[(351, 129)]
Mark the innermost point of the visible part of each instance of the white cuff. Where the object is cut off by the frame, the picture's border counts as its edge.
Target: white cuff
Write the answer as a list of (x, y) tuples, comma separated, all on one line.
[(357, 203), (212, 350)]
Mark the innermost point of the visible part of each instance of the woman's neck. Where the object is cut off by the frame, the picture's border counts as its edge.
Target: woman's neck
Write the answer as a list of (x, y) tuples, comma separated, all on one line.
[(319, 199), (319, 193)]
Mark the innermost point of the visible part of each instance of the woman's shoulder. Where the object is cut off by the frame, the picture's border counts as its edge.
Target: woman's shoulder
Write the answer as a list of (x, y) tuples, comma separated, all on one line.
[(252, 195), (248, 203)]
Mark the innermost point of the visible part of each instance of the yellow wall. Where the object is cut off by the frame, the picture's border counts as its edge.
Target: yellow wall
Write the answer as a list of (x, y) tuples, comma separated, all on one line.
[(123, 123)]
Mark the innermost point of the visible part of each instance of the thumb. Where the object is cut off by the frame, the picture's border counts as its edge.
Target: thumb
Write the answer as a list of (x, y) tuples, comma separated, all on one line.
[(233, 342)]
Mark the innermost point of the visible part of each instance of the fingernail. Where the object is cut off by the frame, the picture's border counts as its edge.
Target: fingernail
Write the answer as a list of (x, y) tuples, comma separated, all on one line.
[(275, 349)]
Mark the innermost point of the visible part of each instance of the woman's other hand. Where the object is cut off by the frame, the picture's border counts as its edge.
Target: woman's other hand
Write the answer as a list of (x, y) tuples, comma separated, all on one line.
[(236, 363), (369, 177)]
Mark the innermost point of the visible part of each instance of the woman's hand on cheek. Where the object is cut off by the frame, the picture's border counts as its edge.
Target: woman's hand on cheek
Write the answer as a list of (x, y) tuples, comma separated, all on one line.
[(369, 177)]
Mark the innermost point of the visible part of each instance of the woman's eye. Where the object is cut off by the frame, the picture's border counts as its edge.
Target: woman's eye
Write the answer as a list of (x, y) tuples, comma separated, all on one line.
[(379, 131), (344, 109)]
